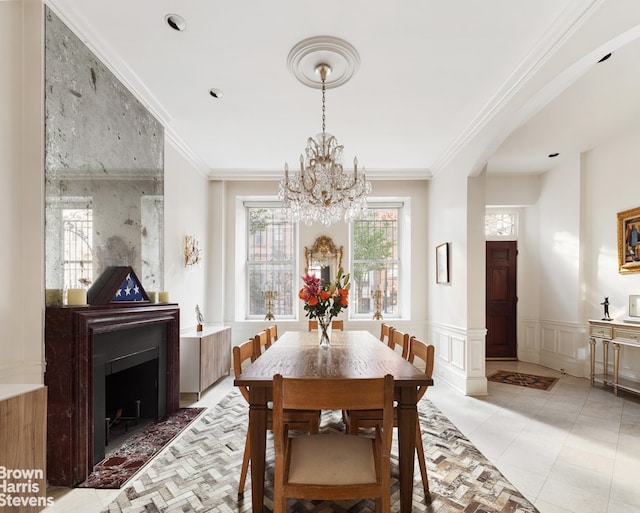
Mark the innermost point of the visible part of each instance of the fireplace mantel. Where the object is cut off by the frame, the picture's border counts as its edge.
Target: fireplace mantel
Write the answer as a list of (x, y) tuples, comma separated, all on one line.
[(69, 335)]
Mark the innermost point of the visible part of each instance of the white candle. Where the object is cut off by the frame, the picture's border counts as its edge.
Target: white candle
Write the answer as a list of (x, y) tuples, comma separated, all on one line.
[(163, 297), (76, 297), (153, 296)]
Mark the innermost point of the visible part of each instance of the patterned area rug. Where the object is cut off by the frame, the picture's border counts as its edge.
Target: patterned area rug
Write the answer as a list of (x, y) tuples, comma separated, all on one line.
[(200, 471), (120, 465), (523, 380)]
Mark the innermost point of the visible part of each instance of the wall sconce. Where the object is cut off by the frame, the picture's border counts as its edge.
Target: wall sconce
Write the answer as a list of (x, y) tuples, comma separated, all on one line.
[(191, 251)]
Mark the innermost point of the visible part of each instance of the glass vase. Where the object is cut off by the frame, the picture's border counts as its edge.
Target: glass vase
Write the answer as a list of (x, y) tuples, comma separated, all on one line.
[(324, 330)]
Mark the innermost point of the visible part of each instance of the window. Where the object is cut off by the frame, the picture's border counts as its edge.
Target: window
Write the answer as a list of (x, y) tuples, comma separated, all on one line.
[(501, 224), (375, 262), (270, 260), (77, 243)]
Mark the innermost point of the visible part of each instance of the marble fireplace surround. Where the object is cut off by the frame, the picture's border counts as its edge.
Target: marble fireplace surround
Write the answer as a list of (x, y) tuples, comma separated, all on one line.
[(69, 334)]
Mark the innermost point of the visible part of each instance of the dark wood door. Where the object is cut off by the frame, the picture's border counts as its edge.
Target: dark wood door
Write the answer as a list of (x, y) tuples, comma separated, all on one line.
[(501, 299)]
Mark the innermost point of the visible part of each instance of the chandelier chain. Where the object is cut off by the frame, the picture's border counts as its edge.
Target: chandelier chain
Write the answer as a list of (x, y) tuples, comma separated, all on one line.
[(323, 104)]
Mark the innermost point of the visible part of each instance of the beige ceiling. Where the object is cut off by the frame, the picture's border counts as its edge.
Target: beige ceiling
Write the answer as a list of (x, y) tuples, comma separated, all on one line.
[(441, 84)]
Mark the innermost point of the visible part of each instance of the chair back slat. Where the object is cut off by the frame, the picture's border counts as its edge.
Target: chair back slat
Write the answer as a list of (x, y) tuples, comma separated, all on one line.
[(400, 339), (331, 394), (261, 343), (336, 324), (273, 333), (426, 353), (385, 332), (243, 355)]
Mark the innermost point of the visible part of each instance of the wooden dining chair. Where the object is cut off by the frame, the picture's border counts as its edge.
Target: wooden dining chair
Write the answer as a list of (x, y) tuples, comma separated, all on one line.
[(385, 331), (305, 420), (262, 343), (332, 466), (336, 324), (422, 356), (273, 333), (399, 339)]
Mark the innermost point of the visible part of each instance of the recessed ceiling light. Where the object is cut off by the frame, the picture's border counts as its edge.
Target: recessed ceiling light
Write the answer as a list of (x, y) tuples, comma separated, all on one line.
[(551, 155), (176, 22), (216, 93), (605, 57)]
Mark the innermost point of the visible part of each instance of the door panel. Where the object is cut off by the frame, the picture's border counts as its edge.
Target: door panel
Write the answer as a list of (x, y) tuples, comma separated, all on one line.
[(501, 299)]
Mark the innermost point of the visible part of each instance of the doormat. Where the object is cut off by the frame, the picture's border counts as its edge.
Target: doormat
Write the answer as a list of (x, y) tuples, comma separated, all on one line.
[(523, 380), (120, 465)]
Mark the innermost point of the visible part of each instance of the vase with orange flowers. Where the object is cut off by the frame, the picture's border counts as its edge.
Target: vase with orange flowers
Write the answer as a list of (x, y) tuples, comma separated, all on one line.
[(324, 300)]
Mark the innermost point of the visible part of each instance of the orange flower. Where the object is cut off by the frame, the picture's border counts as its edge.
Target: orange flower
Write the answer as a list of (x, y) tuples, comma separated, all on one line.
[(324, 298)]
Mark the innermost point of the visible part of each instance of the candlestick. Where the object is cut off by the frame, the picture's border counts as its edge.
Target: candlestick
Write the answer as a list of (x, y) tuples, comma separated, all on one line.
[(269, 297), (377, 297)]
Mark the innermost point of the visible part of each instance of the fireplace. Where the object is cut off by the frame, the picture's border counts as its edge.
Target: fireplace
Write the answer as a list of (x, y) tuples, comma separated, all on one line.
[(90, 352), (129, 382)]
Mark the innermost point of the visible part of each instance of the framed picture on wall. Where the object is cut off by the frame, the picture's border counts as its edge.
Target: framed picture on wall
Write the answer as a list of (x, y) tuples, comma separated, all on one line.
[(442, 263), (629, 241)]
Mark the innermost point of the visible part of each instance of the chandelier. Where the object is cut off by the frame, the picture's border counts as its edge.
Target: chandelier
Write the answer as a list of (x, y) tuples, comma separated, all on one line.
[(322, 190)]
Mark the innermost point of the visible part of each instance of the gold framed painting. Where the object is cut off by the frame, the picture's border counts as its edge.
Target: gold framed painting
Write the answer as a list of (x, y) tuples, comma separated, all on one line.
[(629, 241)]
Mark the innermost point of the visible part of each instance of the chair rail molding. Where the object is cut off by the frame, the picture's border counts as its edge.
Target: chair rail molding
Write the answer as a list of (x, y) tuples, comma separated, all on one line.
[(460, 357)]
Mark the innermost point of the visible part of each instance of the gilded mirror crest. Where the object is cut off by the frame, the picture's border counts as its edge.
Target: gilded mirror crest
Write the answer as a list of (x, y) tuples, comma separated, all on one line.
[(323, 258)]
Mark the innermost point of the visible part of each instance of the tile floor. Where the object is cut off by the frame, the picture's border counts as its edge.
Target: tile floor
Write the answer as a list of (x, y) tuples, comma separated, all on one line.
[(571, 449)]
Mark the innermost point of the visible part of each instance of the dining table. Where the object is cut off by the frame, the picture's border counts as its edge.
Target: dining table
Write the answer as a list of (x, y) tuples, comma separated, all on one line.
[(351, 355)]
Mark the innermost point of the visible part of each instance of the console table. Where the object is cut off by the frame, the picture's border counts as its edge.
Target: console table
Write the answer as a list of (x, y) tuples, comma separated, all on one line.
[(619, 334), (205, 356)]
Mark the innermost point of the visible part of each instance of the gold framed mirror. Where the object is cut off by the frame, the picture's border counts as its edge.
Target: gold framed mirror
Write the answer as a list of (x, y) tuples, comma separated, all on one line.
[(323, 258)]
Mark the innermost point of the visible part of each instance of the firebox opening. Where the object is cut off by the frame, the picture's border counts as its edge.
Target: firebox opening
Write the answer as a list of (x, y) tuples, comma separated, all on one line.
[(129, 384), (131, 402)]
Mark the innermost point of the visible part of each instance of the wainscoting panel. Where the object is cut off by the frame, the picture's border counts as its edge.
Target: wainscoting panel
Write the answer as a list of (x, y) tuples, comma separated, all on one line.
[(441, 343), (566, 342), (548, 338), (529, 341), (562, 346), (458, 353), (460, 358)]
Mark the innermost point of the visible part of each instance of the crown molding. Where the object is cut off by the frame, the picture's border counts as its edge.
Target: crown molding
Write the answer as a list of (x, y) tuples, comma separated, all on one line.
[(566, 25), (271, 175)]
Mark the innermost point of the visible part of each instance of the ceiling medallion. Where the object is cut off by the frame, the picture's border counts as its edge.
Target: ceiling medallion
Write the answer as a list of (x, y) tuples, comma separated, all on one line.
[(304, 58), (321, 190)]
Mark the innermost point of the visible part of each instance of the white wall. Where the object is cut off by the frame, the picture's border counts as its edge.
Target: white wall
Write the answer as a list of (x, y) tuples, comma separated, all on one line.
[(611, 185), (186, 198), (560, 242), (456, 318), (529, 290), (512, 190), (21, 194), (10, 128)]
